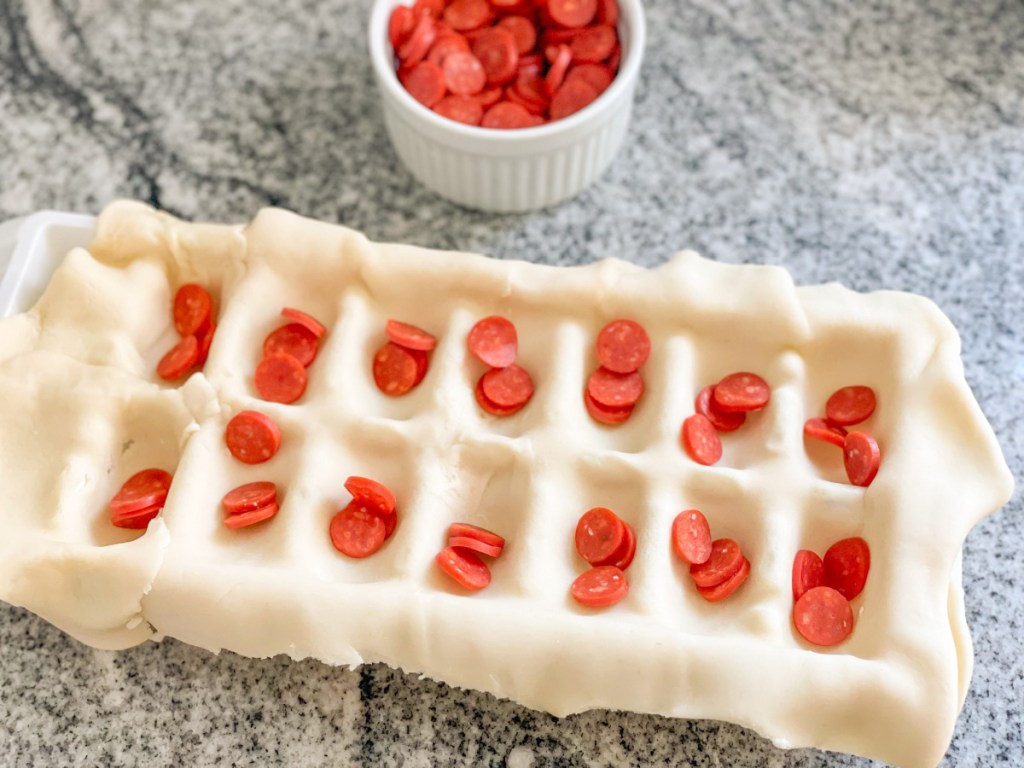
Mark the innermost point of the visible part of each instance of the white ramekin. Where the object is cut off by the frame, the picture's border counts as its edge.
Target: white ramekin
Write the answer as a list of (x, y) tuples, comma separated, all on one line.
[(510, 170)]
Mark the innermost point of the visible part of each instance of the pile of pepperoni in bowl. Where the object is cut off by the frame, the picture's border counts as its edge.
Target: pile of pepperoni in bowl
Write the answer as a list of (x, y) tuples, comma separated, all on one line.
[(506, 63)]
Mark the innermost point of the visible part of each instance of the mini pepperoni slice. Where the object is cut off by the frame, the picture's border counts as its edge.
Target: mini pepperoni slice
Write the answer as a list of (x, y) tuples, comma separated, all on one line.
[(463, 73), (808, 572), (137, 519), (446, 42), (623, 560), (861, 457), (425, 83), (253, 516), (498, 53), (400, 24), (533, 107), (469, 531), (820, 429), (493, 341), (597, 75), (600, 587), (531, 90), (846, 565), (742, 391), (280, 378), (615, 390), (506, 115), (510, 387), (593, 44), (252, 437), (181, 358), (143, 489), (727, 587), (572, 13), (607, 12), (604, 414), (246, 498), (294, 339), (434, 7), (490, 97), (357, 531), (300, 317), (193, 307), (523, 32), (395, 369), (623, 346), (493, 408), (461, 109), (700, 440), (464, 566), (372, 493), (556, 74), (726, 559), (464, 542), (571, 97), (850, 405), (823, 617), (419, 41), (722, 421), (600, 536), (464, 15), (205, 340), (691, 537)]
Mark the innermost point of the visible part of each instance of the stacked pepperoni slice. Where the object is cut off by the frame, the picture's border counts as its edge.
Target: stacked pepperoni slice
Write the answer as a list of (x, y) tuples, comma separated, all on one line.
[(250, 504), (506, 388), (823, 589), (608, 544), (193, 319), (722, 407), (718, 568), (365, 523), (287, 352), (461, 559), (140, 498), (252, 437), (402, 363), (614, 389), (844, 408), (506, 63)]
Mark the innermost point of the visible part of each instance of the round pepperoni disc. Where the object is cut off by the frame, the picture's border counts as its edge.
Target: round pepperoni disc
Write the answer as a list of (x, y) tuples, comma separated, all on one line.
[(193, 307), (492, 408), (861, 458), (498, 53), (572, 13), (510, 387), (280, 378), (727, 587), (466, 530), (615, 390), (396, 370), (179, 360), (722, 421), (600, 536), (463, 15), (700, 440), (253, 516), (464, 566), (357, 531), (846, 565), (572, 96), (371, 493), (623, 346), (136, 519), (294, 339), (312, 324), (808, 572), (409, 336), (252, 437), (819, 429), (143, 489), (600, 587), (246, 498), (205, 339), (622, 561), (823, 617), (691, 537), (604, 414), (475, 545), (493, 341), (726, 558), (463, 73), (850, 405), (742, 392)]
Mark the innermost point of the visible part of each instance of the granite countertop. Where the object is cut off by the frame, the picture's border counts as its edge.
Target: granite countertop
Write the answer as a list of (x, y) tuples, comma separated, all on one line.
[(878, 144)]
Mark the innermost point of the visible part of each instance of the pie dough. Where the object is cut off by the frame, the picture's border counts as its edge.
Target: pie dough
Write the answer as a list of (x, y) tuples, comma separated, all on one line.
[(83, 411)]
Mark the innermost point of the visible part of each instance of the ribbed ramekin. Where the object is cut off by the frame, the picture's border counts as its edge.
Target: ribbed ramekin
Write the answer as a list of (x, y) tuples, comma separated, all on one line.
[(508, 170)]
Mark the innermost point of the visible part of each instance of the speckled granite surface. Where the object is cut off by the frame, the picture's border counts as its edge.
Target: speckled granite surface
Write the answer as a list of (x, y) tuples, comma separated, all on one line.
[(879, 144)]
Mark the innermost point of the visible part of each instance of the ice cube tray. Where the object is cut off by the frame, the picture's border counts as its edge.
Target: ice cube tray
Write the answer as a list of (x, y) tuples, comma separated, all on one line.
[(83, 410)]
